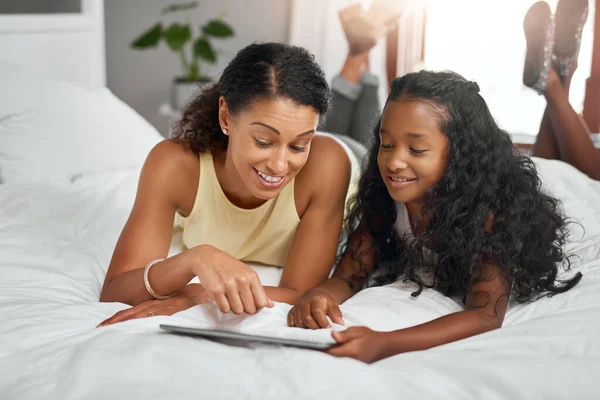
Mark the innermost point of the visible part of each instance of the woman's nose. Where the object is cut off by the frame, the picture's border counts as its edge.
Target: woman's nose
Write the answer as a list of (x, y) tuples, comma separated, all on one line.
[(277, 162)]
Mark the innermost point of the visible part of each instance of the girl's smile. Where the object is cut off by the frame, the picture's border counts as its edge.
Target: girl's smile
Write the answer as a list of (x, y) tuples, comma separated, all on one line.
[(400, 182), (413, 152)]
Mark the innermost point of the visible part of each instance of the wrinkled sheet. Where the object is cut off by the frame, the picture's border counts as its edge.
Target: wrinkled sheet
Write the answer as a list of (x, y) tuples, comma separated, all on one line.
[(56, 242)]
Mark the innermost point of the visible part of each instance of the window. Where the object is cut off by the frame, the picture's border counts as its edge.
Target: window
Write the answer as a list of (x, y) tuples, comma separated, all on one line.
[(483, 40), (40, 7)]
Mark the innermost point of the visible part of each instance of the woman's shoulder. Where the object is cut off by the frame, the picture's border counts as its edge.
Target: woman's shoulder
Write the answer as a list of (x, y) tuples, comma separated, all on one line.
[(171, 153), (327, 169), (326, 154), (171, 158), (173, 168)]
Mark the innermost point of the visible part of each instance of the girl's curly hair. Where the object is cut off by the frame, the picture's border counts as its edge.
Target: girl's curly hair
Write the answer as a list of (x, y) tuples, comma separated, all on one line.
[(485, 177), (258, 71)]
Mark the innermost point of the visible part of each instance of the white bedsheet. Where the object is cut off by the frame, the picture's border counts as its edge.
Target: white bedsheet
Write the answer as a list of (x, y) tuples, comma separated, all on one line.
[(55, 244)]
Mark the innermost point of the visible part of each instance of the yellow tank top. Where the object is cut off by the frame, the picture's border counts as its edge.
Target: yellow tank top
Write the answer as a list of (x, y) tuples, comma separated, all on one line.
[(260, 235)]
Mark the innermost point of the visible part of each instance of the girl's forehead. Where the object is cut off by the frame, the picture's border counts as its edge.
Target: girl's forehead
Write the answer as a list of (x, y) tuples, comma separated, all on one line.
[(408, 112)]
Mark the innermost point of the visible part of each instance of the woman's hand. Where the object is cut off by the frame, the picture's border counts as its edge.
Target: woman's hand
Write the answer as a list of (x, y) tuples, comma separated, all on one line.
[(192, 295), (233, 285), (312, 308), (360, 343)]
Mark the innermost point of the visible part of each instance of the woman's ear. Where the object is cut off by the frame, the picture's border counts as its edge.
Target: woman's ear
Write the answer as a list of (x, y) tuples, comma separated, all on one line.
[(224, 116)]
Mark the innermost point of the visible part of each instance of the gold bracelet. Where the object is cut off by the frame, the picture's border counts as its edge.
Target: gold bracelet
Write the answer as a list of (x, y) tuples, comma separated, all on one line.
[(147, 282)]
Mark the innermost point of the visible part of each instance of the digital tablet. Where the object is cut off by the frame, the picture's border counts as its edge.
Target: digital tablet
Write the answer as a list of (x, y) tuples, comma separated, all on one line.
[(218, 334)]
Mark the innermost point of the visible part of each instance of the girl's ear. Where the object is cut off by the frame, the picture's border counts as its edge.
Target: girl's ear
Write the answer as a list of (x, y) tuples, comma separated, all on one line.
[(224, 115)]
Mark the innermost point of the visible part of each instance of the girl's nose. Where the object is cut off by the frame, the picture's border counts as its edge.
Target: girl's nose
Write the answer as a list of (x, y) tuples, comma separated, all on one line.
[(396, 163)]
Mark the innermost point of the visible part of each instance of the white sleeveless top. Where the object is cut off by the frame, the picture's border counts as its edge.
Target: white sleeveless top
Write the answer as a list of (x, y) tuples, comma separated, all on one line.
[(404, 230), (402, 223)]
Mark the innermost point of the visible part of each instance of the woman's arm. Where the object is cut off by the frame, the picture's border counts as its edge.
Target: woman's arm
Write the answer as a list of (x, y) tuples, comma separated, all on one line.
[(193, 294), (324, 184), (147, 235), (486, 305)]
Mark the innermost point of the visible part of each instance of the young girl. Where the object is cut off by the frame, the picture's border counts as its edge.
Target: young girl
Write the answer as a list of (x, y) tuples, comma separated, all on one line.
[(248, 181), (562, 135), (445, 203)]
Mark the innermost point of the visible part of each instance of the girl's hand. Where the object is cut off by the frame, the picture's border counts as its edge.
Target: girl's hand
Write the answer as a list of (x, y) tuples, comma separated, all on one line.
[(312, 308), (360, 343), (184, 300), (233, 285)]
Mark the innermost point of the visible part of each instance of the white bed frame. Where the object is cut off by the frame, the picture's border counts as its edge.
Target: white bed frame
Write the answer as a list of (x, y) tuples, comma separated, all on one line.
[(67, 47)]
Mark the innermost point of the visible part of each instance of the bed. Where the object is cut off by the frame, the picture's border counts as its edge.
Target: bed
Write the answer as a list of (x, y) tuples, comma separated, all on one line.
[(70, 156)]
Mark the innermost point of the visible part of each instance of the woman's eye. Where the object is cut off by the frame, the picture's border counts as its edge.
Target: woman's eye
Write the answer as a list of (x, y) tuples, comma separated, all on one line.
[(386, 146), (260, 143), (416, 151), (298, 149)]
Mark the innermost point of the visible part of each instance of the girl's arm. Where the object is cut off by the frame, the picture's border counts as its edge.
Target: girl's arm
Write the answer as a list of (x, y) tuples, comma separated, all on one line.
[(486, 305), (324, 300), (325, 179)]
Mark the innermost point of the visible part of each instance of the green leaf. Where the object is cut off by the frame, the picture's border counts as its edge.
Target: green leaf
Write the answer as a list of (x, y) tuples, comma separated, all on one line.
[(217, 28), (180, 7), (149, 38), (177, 35), (204, 50)]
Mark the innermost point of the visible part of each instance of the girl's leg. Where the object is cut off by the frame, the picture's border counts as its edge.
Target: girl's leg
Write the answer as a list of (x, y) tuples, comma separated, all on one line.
[(539, 31), (545, 145), (572, 137)]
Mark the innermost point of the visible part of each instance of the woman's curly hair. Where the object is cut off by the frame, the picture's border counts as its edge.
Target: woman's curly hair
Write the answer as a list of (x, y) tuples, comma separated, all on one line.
[(258, 71), (486, 179)]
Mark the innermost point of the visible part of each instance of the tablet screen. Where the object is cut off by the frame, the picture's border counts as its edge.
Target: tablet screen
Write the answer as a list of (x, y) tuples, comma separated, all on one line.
[(223, 334)]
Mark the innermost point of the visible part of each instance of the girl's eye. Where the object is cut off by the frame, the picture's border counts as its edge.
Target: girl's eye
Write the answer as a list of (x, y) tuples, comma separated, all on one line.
[(298, 149), (416, 151), (386, 146), (261, 143)]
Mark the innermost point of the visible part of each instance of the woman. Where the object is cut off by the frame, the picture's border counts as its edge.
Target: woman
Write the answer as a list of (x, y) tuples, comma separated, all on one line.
[(355, 100), (248, 181)]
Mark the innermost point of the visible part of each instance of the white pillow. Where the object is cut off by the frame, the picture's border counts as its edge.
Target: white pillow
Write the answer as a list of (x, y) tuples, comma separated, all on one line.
[(56, 131)]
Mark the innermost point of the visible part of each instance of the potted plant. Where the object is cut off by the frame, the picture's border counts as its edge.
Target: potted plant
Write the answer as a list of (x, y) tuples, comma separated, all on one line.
[(193, 51)]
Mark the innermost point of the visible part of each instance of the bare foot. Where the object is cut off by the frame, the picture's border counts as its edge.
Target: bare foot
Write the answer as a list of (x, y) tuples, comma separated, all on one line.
[(363, 30), (361, 35)]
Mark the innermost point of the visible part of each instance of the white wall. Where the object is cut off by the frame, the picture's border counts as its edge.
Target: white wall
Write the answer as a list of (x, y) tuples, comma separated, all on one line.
[(142, 78), (63, 46)]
